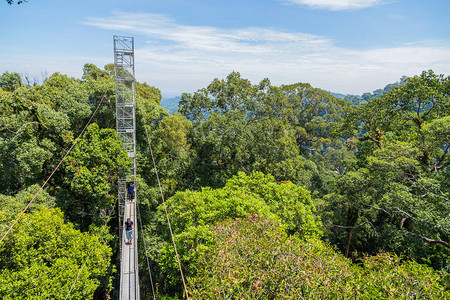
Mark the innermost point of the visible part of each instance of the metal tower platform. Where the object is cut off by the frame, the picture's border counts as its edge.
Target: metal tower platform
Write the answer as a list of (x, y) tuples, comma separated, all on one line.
[(126, 129)]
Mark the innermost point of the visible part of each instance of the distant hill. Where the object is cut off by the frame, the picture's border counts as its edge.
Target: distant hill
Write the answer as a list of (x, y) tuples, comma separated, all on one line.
[(171, 104), (337, 95), (357, 100)]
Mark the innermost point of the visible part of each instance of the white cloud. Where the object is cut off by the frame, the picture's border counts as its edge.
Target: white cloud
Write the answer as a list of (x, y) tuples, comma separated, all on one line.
[(336, 4), (202, 38), (179, 58), (39, 66)]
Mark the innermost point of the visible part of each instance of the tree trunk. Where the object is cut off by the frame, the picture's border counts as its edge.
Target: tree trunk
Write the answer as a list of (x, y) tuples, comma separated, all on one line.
[(352, 218), (349, 238)]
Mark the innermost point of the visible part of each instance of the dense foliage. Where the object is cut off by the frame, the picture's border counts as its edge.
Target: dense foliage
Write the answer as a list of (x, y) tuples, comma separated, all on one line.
[(244, 127), (272, 191), (254, 258), (194, 213), (44, 256), (398, 187)]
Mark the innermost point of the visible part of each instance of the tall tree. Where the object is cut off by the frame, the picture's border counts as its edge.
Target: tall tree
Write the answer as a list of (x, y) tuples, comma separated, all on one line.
[(397, 194), (91, 176)]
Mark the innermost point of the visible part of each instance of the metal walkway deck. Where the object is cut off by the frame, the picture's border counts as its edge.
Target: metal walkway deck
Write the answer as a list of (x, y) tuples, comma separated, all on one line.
[(129, 276)]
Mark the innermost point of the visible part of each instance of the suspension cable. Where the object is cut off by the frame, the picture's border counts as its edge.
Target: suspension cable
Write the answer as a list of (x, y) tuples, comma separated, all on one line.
[(146, 254), (67, 153), (167, 214)]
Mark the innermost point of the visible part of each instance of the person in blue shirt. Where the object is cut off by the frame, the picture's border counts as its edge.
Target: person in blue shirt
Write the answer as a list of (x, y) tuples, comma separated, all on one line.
[(131, 191)]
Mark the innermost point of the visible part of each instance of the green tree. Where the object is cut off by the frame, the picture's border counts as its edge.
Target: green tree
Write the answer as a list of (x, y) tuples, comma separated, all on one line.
[(172, 151), (10, 81), (148, 92), (314, 113), (43, 256), (38, 123), (353, 99), (91, 172), (366, 96), (11, 206)]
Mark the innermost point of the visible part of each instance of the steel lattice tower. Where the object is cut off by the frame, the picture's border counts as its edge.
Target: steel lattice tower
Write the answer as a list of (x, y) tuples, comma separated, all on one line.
[(125, 106)]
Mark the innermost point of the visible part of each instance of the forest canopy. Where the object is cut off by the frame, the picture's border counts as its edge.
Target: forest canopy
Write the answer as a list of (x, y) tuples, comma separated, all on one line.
[(272, 191)]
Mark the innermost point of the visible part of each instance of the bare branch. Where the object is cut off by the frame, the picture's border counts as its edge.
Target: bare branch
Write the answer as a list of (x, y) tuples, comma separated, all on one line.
[(403, 221), (16, 133), (438, 166), (431, 241), (353, 227)]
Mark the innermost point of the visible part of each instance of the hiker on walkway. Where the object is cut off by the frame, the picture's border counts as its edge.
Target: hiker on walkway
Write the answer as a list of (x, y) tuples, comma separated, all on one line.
[(129, 231), (131, 191)]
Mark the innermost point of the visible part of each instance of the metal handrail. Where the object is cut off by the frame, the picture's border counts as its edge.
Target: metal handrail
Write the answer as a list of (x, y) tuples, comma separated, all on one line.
[(136, 266), (123, 251)]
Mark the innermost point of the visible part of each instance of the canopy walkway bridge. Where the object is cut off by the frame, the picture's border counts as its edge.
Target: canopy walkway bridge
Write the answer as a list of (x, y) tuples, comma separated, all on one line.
[(126, 129)]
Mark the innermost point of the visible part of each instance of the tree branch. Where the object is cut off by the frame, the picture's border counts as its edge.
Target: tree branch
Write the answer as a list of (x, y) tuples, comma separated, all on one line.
[(353, 227), (403, 221), (17, 133), (438, 166), (431, 241)]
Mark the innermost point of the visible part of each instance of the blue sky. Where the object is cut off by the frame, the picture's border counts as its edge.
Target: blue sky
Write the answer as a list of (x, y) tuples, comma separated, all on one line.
[(346, 46)]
